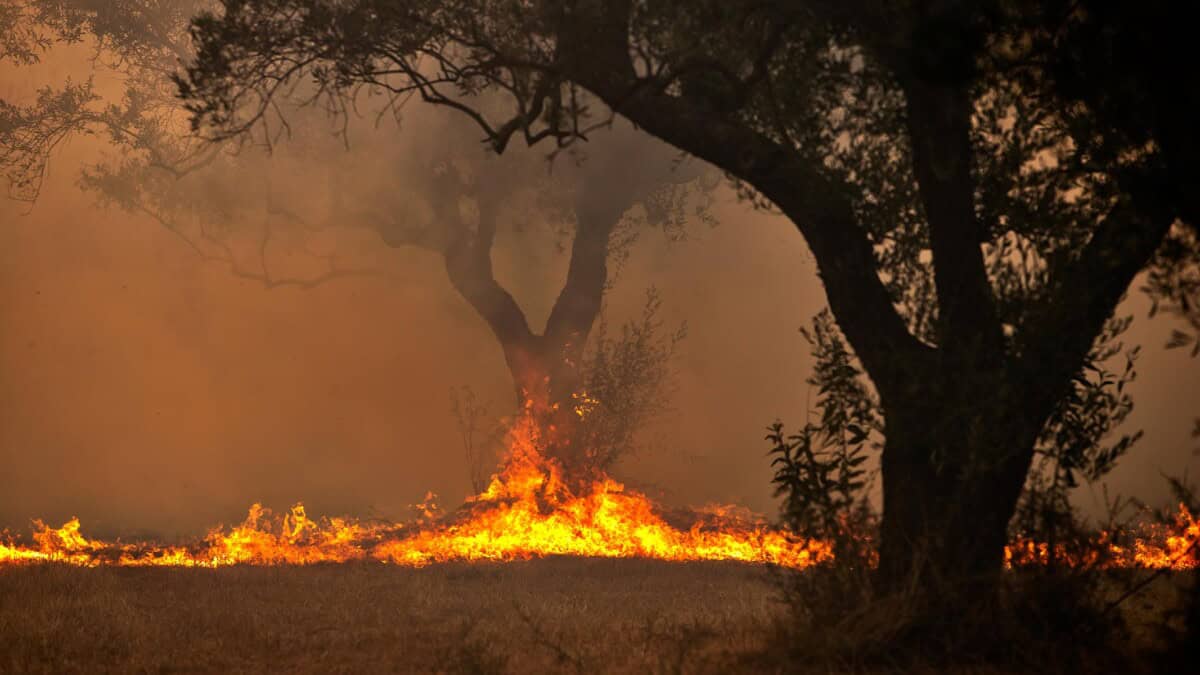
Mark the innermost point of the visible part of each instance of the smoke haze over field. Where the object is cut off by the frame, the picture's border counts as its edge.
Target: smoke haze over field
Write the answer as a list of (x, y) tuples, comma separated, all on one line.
[(143, 388)]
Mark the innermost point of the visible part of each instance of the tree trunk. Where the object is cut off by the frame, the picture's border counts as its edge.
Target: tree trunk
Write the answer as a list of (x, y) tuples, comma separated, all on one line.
[(545, 382), (952, 474)]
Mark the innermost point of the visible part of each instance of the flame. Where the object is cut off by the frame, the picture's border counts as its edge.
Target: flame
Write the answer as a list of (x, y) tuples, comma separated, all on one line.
[(1174, 545), (530, 510)]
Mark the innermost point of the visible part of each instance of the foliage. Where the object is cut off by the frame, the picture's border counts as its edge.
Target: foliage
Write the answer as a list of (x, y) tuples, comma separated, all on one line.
[(1074, 443), (1173, 284), (627, 383), (820, 471), (19, 42)]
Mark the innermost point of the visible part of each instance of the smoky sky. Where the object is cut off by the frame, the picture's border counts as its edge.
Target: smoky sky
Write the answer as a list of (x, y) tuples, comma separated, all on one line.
[(146, 390)]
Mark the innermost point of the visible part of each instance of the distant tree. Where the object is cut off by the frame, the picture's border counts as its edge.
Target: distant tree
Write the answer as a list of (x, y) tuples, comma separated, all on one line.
[(472, 195), (924, 150), (234, 204)]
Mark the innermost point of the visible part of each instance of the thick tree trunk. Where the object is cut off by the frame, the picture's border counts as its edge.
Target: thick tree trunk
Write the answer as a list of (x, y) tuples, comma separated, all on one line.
[(546, 381), (952, 474), (542, 376)]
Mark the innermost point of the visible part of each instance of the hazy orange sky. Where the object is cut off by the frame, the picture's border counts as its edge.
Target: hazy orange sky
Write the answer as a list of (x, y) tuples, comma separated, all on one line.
[(148, 391)]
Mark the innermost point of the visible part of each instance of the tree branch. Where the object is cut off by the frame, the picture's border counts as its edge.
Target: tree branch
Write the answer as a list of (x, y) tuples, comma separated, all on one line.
[(468, 258), (815, 203), (939, 124), (263, 275), (1058, 334), (578, 303)]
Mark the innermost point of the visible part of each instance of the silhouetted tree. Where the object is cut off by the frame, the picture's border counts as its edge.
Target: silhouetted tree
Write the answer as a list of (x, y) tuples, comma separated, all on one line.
[(923, 149)]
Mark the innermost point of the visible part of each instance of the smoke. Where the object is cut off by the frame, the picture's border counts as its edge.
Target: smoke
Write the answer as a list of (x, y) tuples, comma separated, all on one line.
[(148, 390)]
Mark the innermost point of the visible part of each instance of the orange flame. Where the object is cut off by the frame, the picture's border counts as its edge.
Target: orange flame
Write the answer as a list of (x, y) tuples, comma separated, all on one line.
[(1174, 545), (528, 510)]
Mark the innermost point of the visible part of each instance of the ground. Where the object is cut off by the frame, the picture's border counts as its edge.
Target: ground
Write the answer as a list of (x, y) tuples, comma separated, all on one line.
[(564, 615), (554, 615)]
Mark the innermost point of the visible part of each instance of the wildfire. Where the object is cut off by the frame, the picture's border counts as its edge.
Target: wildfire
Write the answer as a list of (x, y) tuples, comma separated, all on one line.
[(1174, 545), (530, 510)]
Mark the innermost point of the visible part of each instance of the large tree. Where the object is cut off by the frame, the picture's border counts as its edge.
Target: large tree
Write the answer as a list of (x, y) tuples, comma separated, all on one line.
[(234, 204), (923, 149)]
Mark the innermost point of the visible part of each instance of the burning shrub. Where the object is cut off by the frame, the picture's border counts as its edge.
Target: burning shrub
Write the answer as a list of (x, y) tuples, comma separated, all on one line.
[(623, 383)]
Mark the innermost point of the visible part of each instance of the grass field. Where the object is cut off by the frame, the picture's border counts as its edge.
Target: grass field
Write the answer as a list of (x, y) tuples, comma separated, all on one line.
[(566, 615), (554, 615)]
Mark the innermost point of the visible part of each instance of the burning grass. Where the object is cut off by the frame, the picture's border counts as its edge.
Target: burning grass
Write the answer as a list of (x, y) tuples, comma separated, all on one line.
[(598, 579), (528, 510)]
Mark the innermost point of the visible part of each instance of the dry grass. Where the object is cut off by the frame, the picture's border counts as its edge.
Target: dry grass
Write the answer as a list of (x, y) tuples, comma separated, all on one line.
[(557, 615), (565, 615)]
